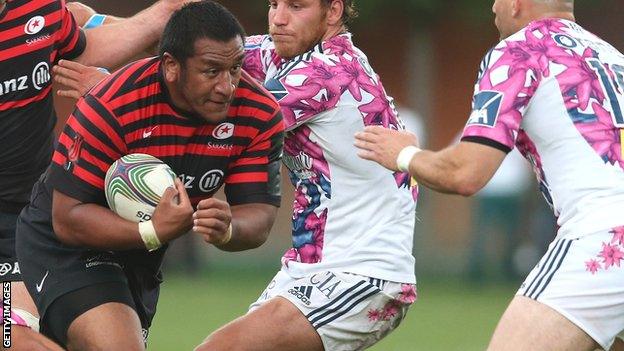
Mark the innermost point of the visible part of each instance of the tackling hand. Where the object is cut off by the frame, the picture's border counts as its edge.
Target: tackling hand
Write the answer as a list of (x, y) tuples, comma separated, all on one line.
[(76, 78), (383, 145)]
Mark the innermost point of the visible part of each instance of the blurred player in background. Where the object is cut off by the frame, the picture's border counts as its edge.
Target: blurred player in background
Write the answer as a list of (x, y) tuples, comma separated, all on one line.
[(556, 92), (349, 278), (35, 35)]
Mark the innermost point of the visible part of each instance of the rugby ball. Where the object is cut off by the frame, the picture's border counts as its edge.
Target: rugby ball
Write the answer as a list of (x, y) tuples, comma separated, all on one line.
[(134, 185)]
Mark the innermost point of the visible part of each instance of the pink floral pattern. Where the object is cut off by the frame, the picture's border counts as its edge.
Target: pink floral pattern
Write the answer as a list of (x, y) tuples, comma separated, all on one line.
[(329, 75), (392, 308), (611, 255), (522, 62)]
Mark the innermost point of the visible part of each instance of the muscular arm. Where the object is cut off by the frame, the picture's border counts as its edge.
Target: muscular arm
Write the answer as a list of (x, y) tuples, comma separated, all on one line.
[(116, 43), (462, 169), (89, 225), (251, 223)]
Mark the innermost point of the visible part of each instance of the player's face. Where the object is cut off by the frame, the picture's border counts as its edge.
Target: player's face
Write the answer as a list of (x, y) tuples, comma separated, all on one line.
[(2, 3), (296, 25), (208, 80), (503, 17)]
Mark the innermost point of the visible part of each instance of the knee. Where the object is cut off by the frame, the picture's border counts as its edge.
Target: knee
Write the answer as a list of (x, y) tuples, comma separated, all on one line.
[(216, 342)]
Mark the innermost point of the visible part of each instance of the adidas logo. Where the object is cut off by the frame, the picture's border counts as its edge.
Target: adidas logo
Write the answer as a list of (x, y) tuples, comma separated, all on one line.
[(303, 293)]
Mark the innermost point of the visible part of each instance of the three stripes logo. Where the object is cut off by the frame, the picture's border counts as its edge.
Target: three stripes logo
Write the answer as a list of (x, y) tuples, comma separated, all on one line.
[(303, 293), (547, 269), (342, 304)]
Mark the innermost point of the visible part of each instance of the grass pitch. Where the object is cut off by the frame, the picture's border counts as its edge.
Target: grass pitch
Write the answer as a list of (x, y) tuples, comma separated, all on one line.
[(449, 314)]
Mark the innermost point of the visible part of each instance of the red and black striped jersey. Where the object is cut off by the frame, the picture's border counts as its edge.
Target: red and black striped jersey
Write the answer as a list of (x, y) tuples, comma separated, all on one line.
[(131, 112), (34, 34)]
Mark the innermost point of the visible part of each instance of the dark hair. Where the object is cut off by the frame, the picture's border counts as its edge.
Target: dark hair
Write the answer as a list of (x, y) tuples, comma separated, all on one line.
[(349, 12), (198, 20)]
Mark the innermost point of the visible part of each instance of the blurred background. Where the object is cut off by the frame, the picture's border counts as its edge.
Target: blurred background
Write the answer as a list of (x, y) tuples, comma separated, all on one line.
[(471, 254)]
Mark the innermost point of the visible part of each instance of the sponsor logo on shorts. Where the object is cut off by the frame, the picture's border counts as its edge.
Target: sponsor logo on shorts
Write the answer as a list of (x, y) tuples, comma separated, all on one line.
[(101, 259), (6, 314), (302, 293), (326, 283), (8, 268)]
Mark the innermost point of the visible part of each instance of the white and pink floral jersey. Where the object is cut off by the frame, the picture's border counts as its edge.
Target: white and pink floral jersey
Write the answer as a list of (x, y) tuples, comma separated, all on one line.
[(556, 92), (349, 214)]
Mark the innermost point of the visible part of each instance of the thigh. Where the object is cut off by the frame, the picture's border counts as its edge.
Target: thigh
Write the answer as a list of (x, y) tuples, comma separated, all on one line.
[(348, 311), (531, 325), (583, 281), (122, 329), (275, 325), (76, 319)]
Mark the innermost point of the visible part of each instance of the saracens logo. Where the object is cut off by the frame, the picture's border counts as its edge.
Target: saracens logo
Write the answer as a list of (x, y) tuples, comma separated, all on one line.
[(41, 75), (34, 25), (223, 131)]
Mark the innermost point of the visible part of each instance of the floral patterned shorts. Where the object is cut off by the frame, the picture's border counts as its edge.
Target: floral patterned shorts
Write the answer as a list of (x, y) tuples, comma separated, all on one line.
[(583, 280), (349, 311)]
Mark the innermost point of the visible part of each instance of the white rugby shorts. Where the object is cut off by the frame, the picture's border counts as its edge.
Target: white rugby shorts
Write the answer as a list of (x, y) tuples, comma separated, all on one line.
[(583, 280), (348, 311)]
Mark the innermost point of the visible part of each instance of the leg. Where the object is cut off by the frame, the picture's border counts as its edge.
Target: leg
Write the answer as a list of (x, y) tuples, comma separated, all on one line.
[(618, 345), (24, 338), (530, 325), (112, 326), (276, 325), (96, 317)]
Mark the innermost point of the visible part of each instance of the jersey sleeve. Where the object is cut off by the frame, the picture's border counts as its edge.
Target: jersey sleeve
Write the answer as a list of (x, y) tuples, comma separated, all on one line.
[(255, 176), (91, 141), (256, 55), (71, 40), (508, 77)]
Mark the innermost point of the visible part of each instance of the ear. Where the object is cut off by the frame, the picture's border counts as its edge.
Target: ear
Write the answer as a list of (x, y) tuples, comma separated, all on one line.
[(516, 6), (171, 68), (334, 13)]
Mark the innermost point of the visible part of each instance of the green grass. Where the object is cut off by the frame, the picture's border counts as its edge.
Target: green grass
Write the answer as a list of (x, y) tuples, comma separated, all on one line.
[(449, 315)]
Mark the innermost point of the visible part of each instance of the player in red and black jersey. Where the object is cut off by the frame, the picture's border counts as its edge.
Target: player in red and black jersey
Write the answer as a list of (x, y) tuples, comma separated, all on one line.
[(34, 35), (194, 108)]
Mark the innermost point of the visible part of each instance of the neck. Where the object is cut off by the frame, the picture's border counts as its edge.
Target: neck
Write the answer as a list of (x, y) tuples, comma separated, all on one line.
[(563, 15), (2, 5), (334, 31)]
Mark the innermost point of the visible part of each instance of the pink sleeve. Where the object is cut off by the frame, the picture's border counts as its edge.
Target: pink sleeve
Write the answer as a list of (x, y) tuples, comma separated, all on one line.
[(508, 78)]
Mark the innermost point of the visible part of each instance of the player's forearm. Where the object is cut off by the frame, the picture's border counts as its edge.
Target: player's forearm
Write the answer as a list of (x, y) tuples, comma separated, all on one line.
[(97, 227), (251, 224), (116, 43), (442, 172)]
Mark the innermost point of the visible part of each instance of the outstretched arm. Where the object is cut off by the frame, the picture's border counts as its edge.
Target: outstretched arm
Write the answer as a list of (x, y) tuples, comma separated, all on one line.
[(462, 169), (116, 43)]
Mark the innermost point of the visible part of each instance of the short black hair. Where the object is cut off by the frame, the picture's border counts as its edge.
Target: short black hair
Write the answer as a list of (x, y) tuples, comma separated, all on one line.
[(198, 20)]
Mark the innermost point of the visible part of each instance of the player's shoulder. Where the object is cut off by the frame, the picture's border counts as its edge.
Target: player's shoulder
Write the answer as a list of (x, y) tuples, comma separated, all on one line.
[(128, 79), (251, 94), (262, 41)]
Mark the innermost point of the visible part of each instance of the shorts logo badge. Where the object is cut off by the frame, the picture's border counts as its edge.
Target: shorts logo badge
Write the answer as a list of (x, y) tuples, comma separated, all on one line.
[(40, 285)]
